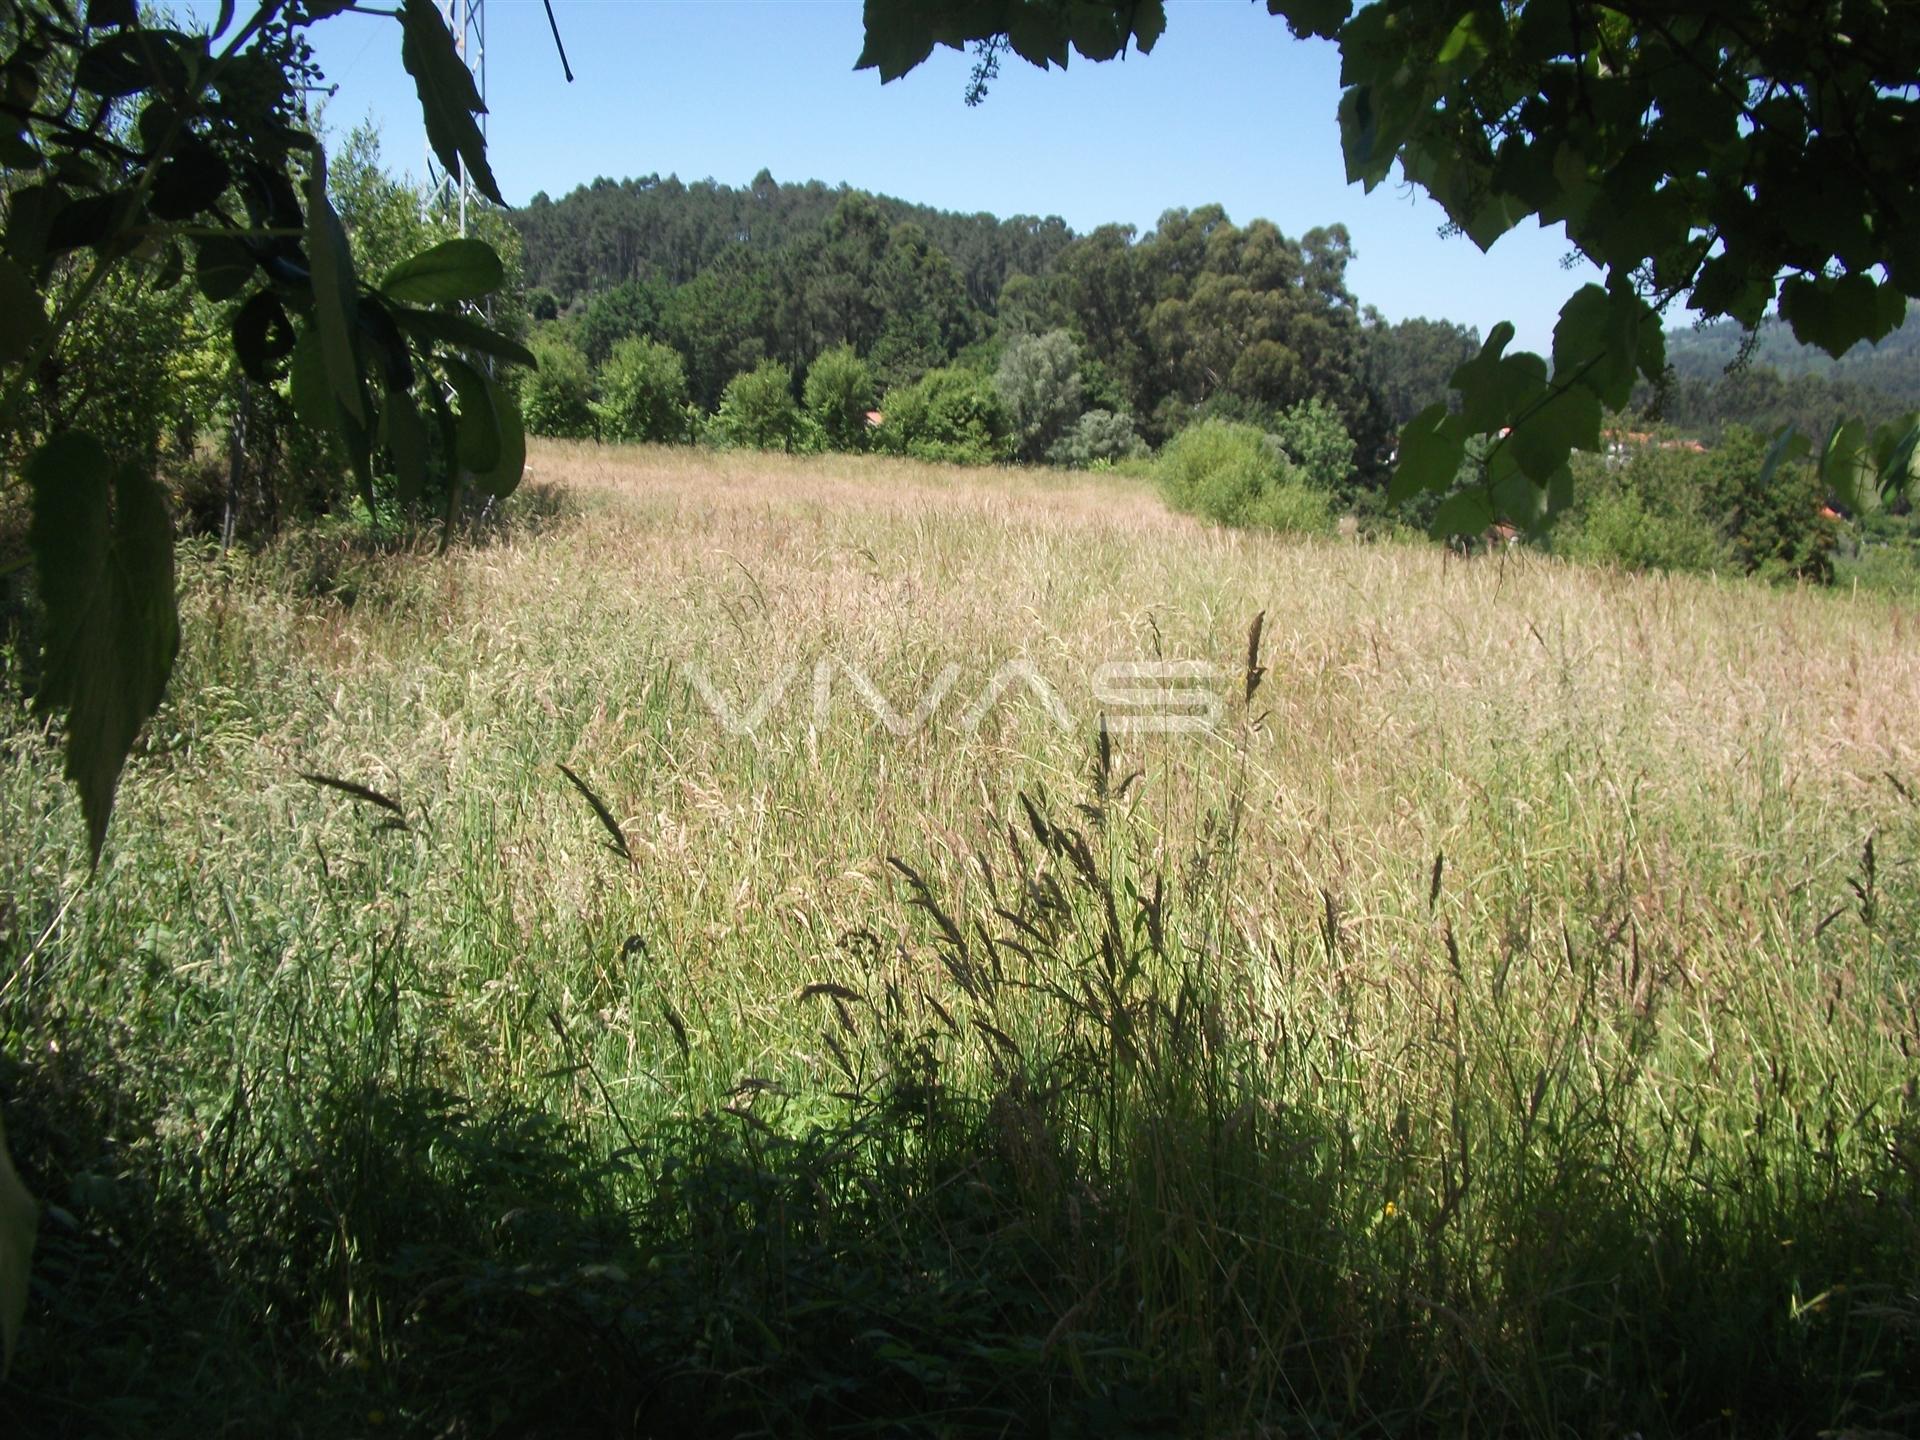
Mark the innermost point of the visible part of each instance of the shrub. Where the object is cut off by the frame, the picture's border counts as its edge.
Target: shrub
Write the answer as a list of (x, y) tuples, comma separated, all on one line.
[(1236, 475), (557, 398), (1621, 525), (1773, 530), (1038, 380), (643, 393), (757, 410), (1316, 440), (1670, 508), (1098, 435), (948, 415), (839, 393)]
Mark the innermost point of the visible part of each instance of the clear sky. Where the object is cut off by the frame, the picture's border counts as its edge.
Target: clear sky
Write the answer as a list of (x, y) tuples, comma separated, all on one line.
[(1228, 108)]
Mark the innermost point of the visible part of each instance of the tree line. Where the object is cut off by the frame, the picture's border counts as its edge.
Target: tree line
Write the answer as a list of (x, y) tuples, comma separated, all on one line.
[(1197, 318), (781, 314)]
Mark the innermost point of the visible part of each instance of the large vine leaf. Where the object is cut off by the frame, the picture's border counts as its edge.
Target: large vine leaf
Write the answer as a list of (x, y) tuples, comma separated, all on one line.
[(1465, 512), (902, 33), (1565, 420), (899, 37), (1598, 342), (1835, 314), (1431, 448), (1313, 17), (19, 1218), (102, 545)]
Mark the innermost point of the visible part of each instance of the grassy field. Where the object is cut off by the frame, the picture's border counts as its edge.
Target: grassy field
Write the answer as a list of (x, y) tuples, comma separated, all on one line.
[(1501, 1022)]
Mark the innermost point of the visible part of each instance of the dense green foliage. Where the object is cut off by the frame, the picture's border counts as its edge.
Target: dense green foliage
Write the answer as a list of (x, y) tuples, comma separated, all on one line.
[(1696, 153), (643, 393), (1039, 383), (1662, 504), (1410, 365), (759, 411), (950, 415), (1237, 475), (1163, 325), (1318, 445), (1097, 437), (610, 233), (134, 152), (556, 396), (840, 391)]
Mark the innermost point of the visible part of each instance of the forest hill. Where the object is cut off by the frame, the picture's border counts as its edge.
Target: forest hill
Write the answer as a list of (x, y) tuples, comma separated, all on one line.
[(1197, 317)]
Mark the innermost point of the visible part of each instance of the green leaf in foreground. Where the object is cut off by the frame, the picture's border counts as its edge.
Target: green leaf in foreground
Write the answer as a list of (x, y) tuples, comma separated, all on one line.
[(103, 548), (1789, 447), (1835, 314), (448, 99), (19, 1218), (451, 270), (503, 478), (454, 329), (477, 444), (1431, 449), (1597, 342), (1846, 466), (307, 377), (899, 37), (335, 293), (1465, 512), (405, 435), (1567, 419)]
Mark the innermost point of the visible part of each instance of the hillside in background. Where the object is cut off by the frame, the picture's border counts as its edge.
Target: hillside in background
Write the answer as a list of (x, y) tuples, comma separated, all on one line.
[(1782, 382), (613, 231), (1197, 317), (1892, 366)]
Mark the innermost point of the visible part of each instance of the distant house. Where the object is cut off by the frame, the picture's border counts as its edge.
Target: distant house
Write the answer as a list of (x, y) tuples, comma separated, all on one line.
[(1622, 443), (874, 417)]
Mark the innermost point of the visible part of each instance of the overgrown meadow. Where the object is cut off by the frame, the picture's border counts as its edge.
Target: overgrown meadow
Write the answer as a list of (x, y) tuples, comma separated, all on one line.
[(1501, 1020)]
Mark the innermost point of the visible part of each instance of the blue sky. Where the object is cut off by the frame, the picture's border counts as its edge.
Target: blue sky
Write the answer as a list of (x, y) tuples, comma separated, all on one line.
[(1228, 108)]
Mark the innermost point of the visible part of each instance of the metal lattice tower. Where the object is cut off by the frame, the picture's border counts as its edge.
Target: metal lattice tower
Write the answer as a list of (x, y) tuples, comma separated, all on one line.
[(467, 19)]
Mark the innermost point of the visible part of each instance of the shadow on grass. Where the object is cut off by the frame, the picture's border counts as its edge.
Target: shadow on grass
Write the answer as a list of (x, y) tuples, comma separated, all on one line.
[(1098, 1191), (942, 1260), (350, 562)]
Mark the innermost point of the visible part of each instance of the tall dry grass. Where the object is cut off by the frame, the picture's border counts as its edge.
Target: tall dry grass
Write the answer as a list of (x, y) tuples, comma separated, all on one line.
[(1504, 1020)]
